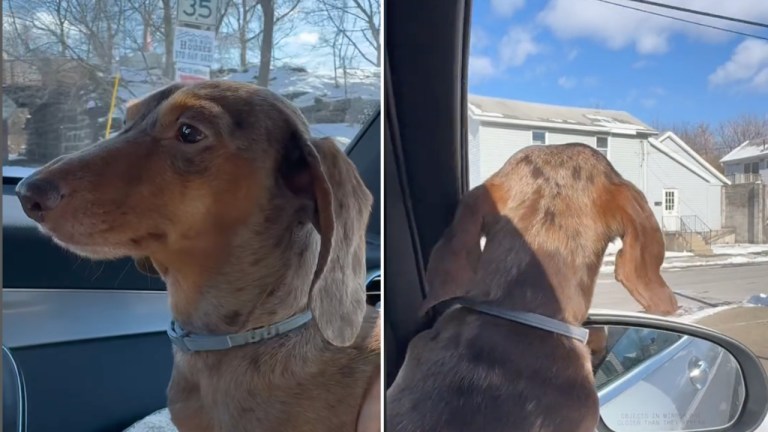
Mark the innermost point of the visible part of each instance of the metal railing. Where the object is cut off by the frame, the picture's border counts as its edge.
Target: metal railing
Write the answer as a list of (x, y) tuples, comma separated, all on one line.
[(687, 227), (741, 178), (695, 224)]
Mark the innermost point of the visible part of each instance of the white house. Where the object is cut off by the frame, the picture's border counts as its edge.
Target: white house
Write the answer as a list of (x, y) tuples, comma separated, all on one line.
[(684, 191), (748, 162)]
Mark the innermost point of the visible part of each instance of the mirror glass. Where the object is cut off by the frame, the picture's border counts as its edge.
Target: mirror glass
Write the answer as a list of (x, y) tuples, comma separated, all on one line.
[(652, 381)]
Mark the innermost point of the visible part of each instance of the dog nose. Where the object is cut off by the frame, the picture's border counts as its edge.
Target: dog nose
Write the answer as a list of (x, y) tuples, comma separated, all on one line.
[(37, 196)]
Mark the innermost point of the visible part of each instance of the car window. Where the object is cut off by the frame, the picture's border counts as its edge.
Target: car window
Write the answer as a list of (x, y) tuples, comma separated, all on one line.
[(634, 347), (70, 66), (673, 99)]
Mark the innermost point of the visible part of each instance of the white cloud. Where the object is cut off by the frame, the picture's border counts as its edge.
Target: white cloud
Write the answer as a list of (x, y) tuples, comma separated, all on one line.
[(481, 67), (305, 38), (506, 8), (748, 66), (572, 54), (566, 82), (516, 46), (617, 27)]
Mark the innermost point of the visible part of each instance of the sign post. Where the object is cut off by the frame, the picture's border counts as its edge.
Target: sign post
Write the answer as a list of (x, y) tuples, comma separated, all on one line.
[(195, 39)]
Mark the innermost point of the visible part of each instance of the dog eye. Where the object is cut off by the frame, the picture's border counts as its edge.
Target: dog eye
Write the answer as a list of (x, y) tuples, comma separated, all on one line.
[(189, 134)]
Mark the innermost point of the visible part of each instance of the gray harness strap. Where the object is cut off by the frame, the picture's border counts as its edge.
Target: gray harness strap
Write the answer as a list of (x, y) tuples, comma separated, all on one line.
[(189, 342), (527, 318)]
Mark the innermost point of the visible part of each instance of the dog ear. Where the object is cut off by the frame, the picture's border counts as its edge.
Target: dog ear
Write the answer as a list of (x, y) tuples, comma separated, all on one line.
[(454, 259), (320, 171), (144, 265), (638, 262)]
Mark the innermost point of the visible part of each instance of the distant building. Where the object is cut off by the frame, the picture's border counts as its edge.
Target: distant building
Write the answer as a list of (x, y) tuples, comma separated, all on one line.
[(747, 163), (683, 190)]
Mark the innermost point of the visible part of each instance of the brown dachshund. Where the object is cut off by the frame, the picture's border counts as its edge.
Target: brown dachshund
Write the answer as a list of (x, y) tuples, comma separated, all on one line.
[(547, 217), (219, 188)]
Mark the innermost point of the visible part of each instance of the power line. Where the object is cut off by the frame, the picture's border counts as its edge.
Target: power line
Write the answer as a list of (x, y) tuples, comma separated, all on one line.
[(702, 13), (684, 20)]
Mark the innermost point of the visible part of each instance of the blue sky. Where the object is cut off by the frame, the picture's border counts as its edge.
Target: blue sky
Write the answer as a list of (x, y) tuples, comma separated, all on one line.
[(591, 54)]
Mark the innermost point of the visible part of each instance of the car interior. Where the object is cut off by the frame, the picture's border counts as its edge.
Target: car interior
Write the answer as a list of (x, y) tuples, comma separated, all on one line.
[(425, 148), (425, 121), (84, 343)]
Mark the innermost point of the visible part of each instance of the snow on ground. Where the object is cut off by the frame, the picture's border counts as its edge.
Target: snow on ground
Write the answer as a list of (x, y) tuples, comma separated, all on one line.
[(722, 255), (613, 248), (673, 264), (705, 311), (740, 249), (304, 88), (343, 133), (288, 80)]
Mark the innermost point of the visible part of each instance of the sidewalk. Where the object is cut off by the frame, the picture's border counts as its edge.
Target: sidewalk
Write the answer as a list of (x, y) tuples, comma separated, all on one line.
[(723, 255)]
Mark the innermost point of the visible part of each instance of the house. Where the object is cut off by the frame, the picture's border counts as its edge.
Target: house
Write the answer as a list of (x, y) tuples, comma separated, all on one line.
[(747, 163), (683, 190), (745, 202)]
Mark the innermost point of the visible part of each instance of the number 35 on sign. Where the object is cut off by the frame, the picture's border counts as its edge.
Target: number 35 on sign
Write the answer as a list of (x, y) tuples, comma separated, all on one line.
[(198, 12)]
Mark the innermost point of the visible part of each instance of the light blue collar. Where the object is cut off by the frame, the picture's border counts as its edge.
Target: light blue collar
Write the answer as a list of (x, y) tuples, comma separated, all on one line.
[(530, 319), (189, 342)]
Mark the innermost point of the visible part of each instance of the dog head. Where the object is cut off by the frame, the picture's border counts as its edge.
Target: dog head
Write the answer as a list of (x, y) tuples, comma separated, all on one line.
[(194, 167), (547, 216)]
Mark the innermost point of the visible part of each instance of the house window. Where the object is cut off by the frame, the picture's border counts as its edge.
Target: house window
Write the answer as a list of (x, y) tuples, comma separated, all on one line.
[(670, 200), (601, 143), (752, 168), (538, 137)]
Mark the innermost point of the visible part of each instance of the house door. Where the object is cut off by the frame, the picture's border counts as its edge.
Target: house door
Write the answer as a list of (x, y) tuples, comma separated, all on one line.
[(671, 213)]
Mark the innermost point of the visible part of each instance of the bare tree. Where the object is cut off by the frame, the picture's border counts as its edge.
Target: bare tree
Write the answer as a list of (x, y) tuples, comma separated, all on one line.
[(99, 22), (700, 138), (146, 11), (734, 132), (49, 35), (267, 41), (359, 22), (170, 68)]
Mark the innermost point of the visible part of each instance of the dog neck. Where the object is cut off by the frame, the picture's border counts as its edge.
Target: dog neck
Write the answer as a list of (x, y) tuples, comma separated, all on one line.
[(257, 279), (540, 280)]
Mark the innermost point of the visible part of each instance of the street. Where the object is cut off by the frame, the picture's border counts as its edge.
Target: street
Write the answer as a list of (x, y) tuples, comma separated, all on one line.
[(711, 285)]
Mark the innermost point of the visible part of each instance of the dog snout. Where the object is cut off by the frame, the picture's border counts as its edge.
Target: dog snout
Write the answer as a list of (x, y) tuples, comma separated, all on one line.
[(38, 196)]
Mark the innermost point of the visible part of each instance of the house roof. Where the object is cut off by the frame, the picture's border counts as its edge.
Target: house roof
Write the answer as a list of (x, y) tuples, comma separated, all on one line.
[(747, 150), (703, 164), (556, 116)]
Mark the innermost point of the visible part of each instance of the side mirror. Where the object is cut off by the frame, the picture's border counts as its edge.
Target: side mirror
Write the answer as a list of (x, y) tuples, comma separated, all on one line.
[(655, 374)]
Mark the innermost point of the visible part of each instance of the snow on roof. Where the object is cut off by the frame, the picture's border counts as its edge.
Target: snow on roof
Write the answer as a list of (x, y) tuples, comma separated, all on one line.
[(748, 149), (555, 114)]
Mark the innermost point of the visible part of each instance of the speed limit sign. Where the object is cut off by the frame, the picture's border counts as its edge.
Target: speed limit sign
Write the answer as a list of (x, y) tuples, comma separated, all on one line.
[(198, 12)]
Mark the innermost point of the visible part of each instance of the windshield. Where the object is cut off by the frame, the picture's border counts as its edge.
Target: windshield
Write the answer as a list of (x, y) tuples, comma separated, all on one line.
[(70, 66)]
